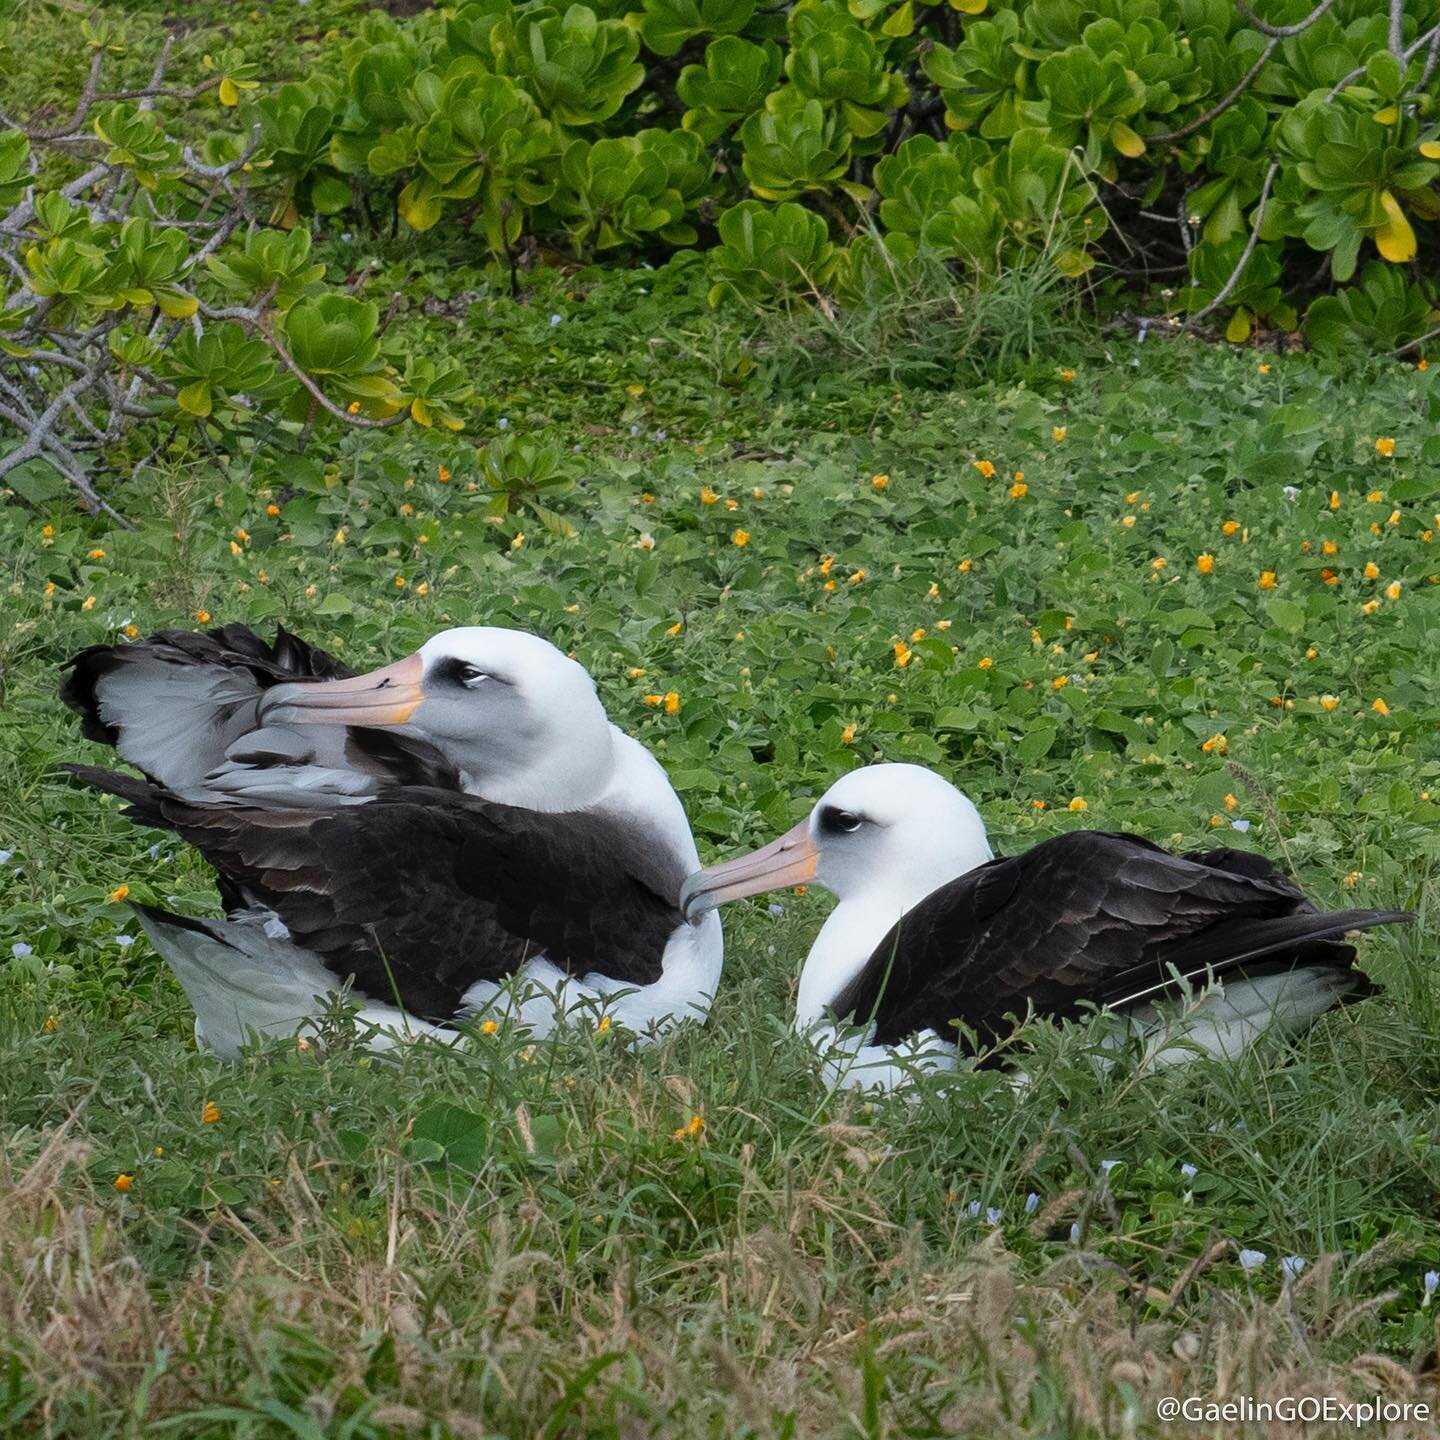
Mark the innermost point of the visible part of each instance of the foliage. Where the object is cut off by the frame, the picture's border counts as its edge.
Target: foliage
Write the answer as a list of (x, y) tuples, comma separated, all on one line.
[(451, 1242)]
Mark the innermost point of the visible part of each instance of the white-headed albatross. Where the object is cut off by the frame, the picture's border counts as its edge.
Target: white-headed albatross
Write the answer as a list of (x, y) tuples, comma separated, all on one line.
[(461, 832), (931, 932)]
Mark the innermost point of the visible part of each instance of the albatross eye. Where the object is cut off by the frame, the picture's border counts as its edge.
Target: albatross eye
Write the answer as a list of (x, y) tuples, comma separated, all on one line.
[(841, 822), (462, 672)]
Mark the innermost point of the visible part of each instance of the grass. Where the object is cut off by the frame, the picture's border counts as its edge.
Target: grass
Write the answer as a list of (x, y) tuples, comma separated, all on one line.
[(498, 1240)]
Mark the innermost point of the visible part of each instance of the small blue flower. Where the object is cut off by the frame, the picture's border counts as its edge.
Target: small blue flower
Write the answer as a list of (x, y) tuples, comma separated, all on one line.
[(1292, 1265), (346, 236), (503, 423), (1189, 1171), (993, 1216), (1075, 1233), (20, 950), (5, 856), (155, 852), (1106, 1166), (1241, 825), (776, 910), (1431, 1284), (662, 434), (973, 1209), (1249, 1259), (1032, 1203), (556, 319), (124, 941), (634, 429)]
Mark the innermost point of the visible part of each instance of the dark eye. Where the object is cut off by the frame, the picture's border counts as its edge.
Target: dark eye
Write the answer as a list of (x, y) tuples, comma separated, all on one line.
[(841, 822), (460, 672), (470, 674)]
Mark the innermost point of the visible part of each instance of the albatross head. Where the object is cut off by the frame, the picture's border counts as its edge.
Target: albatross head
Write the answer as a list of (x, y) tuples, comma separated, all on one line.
[(519, 718), (887, 833)]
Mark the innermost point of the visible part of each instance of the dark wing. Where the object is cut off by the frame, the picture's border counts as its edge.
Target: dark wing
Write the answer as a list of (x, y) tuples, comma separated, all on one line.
[(421, 892), (1088, 917), (183, 708)]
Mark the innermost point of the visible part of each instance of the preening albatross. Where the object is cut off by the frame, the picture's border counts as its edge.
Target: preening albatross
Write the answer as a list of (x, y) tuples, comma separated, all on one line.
[(456, 833), (931, 931)]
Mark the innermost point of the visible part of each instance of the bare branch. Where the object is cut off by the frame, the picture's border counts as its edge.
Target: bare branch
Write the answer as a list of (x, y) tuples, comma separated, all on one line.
[(1282, 32), (87, 100), (1222, 106), (1235, 275), (363, 421)]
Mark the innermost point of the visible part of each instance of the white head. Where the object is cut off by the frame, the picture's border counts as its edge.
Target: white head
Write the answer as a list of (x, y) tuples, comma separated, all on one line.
[(888, 833), (520, 719)]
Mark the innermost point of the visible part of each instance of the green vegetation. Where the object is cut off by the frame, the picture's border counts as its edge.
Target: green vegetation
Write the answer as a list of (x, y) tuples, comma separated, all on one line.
[(1187, 590)]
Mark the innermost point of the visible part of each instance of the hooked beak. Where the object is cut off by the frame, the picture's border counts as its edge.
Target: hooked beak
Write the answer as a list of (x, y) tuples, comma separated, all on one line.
[(383, 698), (790, 860)]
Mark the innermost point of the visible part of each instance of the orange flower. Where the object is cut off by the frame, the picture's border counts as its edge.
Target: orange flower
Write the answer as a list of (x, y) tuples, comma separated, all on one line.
[(880, 482), (1334, 499), (1392, 590), (210, 1114), (1329, 577), (1385, 446), (1328, 547), (1205, 563), (117, 894), (1067, 376), (1229, 528), (489, 1027), (442, 474), (902, 653), (1380, 707), (203, 616), (1019, 490), (985, 468), (1267, 580), (672, 702), (123, 1183), (1372, 570), (985, 663), (741, 538), (1216, 745)]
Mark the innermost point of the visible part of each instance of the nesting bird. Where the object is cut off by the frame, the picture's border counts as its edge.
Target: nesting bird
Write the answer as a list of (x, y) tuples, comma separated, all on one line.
[(460, 833), (934, 941)]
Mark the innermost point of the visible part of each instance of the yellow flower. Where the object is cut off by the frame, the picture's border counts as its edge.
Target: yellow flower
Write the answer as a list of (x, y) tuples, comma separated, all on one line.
[(918, 633), (732, 504), (1205, 563), (442, 474), (353, 407), (1078, 804), (984, 663), (1329, 702), (1393, 518), (272, 509), (1374, 497), (423, 588), (1372, 570), (1329, 577), (880, 482), (1263, 369), (1128, 521), (123, 1182), (646, 498), (1311, 653), (210, 1114), (1267, 580), (118, 894), (1231, 802), (902, 653), (1334, 499), (604, 1026), (826, 563), (489, 1027), (635, 672), (132, 632), (1019, 490), (88, 603), (1060, 682), (741, 538), (676, 628), (1216, 745), (646, 541), (518, 541), (1385, 446), (1132, 497), (1059, 433), (933, 593), (708, 496), (1067, 376), (1380, 707), (52, 1024), (634, 391), (965, 566), (1352, 879), (1158, 563), (1369, 607), (943, 624), (1392, 590), (857, 577), (1037, 804), (340, 536), (985, 468), (1328, 547), (97, 554), (1229, 528), (401, 582), (672, 702), (653, 700), (847, 735), (47, 531)]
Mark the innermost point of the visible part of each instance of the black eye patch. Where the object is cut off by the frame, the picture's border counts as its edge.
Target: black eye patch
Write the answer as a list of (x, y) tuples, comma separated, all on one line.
[(834, 821), (461, 672)]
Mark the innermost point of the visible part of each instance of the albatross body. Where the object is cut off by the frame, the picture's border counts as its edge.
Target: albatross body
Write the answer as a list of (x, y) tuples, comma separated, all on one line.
[(932, 933), (462, 833)]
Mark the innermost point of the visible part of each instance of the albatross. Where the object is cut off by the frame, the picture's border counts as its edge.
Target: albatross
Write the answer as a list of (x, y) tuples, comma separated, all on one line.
[(460, 833), (934, 941)]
